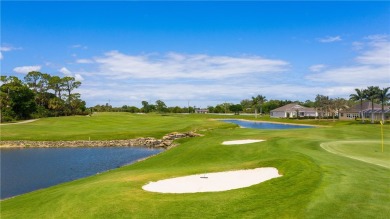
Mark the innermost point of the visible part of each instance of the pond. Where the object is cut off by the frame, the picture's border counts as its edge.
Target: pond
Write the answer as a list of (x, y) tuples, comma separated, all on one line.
[(27, 169), (264, 125)]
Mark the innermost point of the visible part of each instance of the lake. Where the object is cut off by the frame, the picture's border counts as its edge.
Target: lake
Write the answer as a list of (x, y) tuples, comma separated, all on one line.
[(264, 125), (27, 169)]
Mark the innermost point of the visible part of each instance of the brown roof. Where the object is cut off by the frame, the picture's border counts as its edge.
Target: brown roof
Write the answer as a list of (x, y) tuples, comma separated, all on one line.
[(293, 107), (366, 106)]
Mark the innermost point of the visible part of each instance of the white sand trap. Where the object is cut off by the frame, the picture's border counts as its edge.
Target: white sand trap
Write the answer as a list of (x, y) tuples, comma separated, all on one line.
[(247, 141), (213, 182)]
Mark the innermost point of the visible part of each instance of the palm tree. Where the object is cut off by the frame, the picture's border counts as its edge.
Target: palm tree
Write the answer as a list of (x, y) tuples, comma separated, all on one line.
[(372, 94), (383, 97), (359, 96), (56, 104), (258, 100), (255, 101), (262, 99)]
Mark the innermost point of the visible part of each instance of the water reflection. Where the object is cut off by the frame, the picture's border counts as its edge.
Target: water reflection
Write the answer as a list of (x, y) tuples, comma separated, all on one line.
[(29, 169)]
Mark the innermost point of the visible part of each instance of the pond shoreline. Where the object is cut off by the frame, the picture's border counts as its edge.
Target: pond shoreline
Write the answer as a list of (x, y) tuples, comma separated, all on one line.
[(273, 122), (165, 143)]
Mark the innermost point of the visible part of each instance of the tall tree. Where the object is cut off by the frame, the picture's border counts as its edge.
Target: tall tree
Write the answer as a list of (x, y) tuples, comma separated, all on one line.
[(21, 100), (39, 83), (32, 79), (372, 94), (145, 106), (262, 99), (384, 96), (336, 105), (69, 84), (160, 106), (246, 104), (55, 83), (359, 96), (322, 104), (257, 102), (236, 108)]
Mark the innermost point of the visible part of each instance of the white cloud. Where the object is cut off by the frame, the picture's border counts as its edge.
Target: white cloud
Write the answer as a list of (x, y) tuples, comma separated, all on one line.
[(357, 45), (174, 66), (372, 66), (27, 69), (330, 39), (317, 68), (78, 77), (7, 49), (354, 75), (377, 37), (379, 54), (65, 71), (84, 61), (78, 46)]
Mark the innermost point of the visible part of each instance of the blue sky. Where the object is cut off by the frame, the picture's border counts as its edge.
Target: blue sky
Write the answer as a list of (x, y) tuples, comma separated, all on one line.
[(203, 52)]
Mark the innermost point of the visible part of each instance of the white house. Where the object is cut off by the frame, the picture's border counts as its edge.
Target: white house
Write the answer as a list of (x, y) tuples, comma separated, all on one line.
[(202, 111), (291, 110)]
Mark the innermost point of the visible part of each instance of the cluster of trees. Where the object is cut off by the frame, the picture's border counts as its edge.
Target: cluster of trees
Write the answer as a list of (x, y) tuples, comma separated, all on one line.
[(373, 94), (39, 95), (159, 106)]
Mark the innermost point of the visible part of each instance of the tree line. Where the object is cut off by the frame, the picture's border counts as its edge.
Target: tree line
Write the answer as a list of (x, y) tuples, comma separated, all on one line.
[(158, 107), (259, 105), (39, 95)]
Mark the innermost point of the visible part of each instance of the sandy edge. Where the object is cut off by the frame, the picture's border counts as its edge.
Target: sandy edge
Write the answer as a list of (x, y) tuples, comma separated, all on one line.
[(238, 142), (213, 182)]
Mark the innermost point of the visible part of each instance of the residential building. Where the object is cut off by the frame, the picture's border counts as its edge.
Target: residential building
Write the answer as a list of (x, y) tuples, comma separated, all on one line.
[(203, 111), (292, 110), (355, 111)]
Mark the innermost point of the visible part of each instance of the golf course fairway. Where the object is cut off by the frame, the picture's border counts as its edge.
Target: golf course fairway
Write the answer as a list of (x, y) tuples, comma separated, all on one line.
[(317, 181)]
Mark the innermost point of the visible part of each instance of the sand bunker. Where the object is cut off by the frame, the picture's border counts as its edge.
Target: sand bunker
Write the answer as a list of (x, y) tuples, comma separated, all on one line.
[(247, 141), (213, 182)]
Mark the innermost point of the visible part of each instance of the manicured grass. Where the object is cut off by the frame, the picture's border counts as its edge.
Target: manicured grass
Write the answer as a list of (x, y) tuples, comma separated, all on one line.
[(315, 182), (103, 126), (367, 151)]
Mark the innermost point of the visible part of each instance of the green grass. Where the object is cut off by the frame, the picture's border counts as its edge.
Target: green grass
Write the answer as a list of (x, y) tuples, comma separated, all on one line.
[(366, 151), (103, 126), (315, 182)]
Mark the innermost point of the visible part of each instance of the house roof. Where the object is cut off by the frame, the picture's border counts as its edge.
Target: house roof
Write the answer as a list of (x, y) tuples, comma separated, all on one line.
[(293, 107), (366, 106)]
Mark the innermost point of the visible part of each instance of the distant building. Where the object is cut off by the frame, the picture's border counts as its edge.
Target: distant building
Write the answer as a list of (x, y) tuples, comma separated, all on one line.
[(203, 111), (355, 111), (291, 110)]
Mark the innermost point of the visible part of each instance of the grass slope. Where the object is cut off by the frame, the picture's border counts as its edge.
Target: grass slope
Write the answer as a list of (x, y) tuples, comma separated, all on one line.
[(103, 126), (315, 183)]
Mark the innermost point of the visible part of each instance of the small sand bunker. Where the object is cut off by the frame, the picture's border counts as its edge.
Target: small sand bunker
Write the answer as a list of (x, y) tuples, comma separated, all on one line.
[(247, 141), (213, 182)]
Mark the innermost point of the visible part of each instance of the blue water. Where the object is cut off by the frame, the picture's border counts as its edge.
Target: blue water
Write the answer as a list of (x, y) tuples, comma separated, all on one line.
[(28, 169), (264, 125)]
